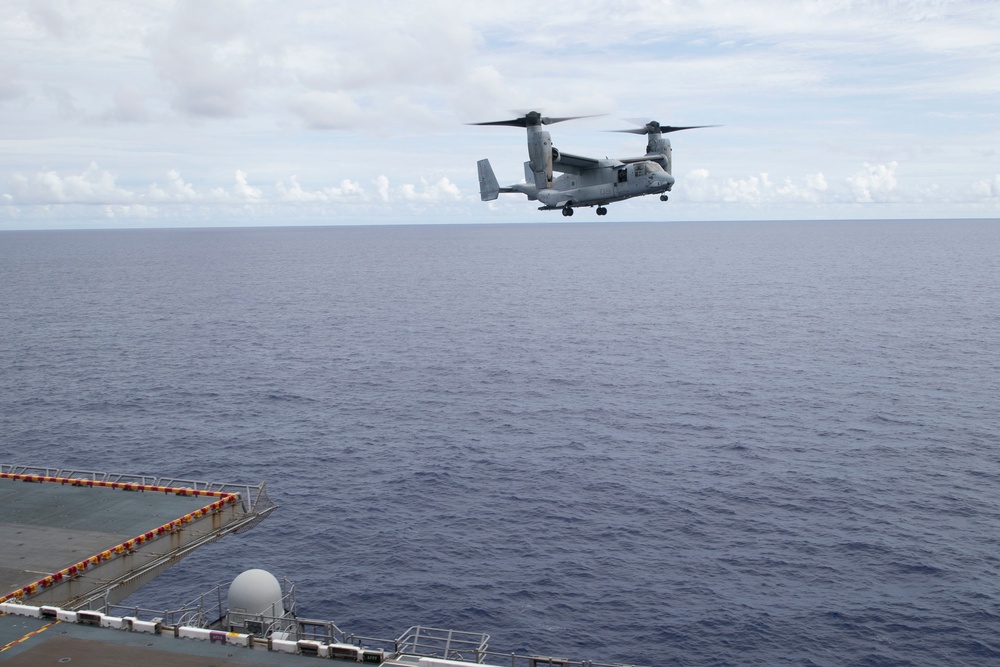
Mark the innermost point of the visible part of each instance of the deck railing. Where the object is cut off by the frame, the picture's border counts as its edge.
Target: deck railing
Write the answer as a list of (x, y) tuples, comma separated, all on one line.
[(254, 496)]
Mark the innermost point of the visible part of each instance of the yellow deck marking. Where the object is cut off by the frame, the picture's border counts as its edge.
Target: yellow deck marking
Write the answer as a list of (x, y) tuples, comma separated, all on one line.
[(28, 636)]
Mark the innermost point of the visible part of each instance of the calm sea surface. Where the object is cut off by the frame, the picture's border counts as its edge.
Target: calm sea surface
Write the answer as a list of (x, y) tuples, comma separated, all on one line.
[(695, 444)]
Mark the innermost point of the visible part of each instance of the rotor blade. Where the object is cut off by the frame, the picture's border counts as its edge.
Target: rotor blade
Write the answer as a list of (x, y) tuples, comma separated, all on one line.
[(548, 121), (669, 128), (516, 122), (530, 118), (653, 127)]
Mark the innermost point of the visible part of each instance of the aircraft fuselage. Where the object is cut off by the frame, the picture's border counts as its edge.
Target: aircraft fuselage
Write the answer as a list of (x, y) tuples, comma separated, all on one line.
[(610, 183)]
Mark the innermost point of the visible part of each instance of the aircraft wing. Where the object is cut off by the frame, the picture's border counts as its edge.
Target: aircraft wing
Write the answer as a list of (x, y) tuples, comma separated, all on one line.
[(568, 163), (649, 157)]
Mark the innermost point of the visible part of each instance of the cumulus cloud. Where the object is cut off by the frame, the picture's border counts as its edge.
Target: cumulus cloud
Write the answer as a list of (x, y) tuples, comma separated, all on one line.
[(130, 211), (426, 191), (791, 81), (988, 188), (441, 190), (293, 192), (175, 190), (382, 186), (754, 189), (95, 185), (816, 182), (241, 190), (874, 182), (92, 185)]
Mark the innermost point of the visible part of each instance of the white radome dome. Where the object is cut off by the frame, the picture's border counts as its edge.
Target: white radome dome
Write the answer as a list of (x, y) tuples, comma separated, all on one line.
[(256, 592)]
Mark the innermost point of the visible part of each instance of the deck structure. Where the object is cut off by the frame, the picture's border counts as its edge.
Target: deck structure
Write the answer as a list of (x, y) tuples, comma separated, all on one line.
[(73, 544), (82, 540)]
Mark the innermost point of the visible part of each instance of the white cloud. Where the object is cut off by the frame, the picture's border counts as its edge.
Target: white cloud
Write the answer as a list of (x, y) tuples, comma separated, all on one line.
[(99, 186), (372, 47), (816, 182), (130, 212), (988, 187), (243, 190), (382, 185), (874, 183), (807, 91), (293, 192), (755, 189), (207, 57), (93, 185), (441, 190), (175, 190), (327, 110)]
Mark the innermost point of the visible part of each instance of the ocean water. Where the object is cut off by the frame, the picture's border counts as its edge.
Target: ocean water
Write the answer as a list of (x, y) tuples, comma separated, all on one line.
[(765, 443)]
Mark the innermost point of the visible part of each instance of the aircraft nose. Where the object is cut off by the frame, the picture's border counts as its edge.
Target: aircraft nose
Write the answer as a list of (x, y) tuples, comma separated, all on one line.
[(666, 180)]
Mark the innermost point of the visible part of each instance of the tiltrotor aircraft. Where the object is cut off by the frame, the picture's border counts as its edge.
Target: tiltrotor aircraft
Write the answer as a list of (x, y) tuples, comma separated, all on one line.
[(585, 181)]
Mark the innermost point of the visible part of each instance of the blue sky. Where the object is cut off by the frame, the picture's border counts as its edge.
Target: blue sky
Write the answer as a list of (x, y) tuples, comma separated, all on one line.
[(132, 113)]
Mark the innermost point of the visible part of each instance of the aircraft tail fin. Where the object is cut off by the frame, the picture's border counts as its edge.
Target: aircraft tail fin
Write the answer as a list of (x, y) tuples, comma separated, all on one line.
[(489, 188)]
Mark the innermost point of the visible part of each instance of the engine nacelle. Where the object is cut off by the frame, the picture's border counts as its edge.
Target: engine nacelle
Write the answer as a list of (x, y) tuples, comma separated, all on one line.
[(660, 145), (540, 156)]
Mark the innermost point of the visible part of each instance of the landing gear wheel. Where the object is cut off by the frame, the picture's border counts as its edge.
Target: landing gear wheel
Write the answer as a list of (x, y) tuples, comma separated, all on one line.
[(664, 197), (601, 210), (567, 211)]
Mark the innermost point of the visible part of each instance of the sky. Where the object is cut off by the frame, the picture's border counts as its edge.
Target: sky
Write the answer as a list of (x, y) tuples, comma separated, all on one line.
[(133, 113)]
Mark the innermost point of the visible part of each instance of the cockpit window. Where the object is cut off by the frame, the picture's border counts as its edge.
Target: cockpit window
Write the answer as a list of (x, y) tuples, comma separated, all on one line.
[(643, 168)]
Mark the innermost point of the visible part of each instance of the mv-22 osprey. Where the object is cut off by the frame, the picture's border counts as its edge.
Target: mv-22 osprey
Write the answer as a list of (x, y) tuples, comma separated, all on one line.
[(585, 181)]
